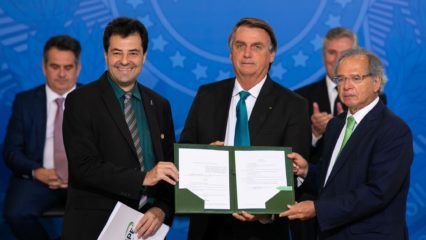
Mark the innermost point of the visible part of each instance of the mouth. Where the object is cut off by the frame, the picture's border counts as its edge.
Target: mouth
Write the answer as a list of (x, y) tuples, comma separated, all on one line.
[(124, 69)]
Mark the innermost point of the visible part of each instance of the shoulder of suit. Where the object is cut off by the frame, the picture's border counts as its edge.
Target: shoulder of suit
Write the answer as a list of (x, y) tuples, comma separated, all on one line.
[(225, 84), (30, 93), (145, 91), (287, 93)]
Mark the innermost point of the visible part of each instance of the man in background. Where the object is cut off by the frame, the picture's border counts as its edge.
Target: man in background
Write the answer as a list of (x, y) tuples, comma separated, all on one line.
[(34, 149)]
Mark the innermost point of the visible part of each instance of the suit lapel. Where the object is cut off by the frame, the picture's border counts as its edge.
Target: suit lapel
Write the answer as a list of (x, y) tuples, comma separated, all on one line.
[(221, 108), (366, 126), (150, 112), (114, 110), (264, 104), (324, 99), (40, 124), (333, 135)]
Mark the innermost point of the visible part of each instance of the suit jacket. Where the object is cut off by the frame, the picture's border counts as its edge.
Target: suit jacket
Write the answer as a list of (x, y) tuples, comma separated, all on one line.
[(103, 164), (26, 132), (317, 92), (366, 192), (279, 118)]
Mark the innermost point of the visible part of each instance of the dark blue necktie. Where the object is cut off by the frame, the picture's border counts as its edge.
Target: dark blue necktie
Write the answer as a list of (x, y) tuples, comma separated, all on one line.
[(242, 134)]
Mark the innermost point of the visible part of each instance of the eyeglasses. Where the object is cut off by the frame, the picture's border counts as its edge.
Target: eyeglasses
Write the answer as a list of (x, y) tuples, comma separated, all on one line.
[(354, 78)]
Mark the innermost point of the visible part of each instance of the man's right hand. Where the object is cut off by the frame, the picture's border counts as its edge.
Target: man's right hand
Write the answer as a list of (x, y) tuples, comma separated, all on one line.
[(49, 177), (319, 120), (300, 165), (166, 171)]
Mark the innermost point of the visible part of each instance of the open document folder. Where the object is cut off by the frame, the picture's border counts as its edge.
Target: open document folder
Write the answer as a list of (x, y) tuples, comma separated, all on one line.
[(121, 224), (224, 179)]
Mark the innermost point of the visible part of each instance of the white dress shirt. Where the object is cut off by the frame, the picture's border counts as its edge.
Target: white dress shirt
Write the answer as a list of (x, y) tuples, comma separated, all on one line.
[(51, 105), (358, 116), (332, 95), (232, 115)]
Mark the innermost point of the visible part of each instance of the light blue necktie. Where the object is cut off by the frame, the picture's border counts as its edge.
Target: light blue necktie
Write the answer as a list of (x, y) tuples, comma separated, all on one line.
[(242, 134)]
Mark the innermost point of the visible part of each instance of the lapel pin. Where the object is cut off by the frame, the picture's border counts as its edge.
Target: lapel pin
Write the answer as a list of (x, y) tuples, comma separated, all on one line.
[(270, 108), (162, 136), (151, 102)]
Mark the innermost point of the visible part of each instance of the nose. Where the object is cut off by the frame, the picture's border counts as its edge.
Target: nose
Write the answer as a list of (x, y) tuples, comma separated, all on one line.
[(347, 83), (62, 72), (247, 52), (123, 59)]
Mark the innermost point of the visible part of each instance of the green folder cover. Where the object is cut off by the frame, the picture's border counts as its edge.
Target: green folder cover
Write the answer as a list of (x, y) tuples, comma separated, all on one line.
[(188, 202)]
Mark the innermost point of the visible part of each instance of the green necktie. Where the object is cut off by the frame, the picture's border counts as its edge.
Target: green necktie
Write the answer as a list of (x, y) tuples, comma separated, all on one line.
[(242, 135), (348, 131)]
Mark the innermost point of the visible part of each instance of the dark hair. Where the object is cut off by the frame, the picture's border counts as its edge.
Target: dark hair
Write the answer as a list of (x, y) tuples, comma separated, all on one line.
[(124, 26), (255, 23), (63, 43)]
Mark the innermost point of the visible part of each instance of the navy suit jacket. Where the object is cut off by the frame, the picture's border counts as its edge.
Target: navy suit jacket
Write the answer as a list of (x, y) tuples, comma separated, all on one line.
[(25, 137), (26, 132), (365, 194)]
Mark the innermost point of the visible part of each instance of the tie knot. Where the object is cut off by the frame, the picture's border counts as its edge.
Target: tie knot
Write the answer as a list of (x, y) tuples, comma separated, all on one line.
[(244, 95), (350, 122), (128, 95), (59, 101)]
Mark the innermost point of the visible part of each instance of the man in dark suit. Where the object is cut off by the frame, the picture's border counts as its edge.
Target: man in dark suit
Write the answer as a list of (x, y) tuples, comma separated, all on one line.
[(277, 117), (118, 137), (322, 96), (30, 144), (364, 179)]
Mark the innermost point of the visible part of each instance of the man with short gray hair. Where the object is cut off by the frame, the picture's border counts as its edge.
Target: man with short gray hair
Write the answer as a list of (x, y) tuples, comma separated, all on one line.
[(363, 180)]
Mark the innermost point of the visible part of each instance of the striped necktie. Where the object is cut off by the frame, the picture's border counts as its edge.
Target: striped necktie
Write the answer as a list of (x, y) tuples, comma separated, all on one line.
[(130, 116)]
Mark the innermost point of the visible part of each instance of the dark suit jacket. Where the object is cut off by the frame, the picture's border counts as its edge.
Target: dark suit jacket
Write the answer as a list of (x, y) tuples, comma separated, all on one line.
[(26, 133), (365, 195), (103, 165), (317, 92), (279, 118)]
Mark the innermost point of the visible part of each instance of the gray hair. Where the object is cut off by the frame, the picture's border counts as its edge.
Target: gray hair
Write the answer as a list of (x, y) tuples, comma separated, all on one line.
[(340, 32), (375, 66)]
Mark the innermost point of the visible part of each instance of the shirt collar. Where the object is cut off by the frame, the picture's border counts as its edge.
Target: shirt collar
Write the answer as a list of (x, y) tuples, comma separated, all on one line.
[(119, 93), (331, 85), (52, 95), (254, 91), (360, 114)]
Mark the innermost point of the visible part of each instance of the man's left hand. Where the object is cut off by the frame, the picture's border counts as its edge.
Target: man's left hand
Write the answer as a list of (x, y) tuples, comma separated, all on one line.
[(304, 210), (150, 222)]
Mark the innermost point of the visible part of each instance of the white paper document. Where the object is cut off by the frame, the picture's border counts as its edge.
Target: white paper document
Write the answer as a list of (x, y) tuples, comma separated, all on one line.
[(121, 224), (205, 172), (258, 175)]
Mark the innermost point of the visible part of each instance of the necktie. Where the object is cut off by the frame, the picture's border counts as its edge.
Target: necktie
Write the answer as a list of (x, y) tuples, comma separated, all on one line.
[(348, 131), (59, 156), (129, 115), (242, 135)]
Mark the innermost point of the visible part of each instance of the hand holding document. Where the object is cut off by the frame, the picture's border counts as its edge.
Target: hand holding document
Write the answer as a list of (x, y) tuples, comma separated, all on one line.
[(226, 179), (121, 224)]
